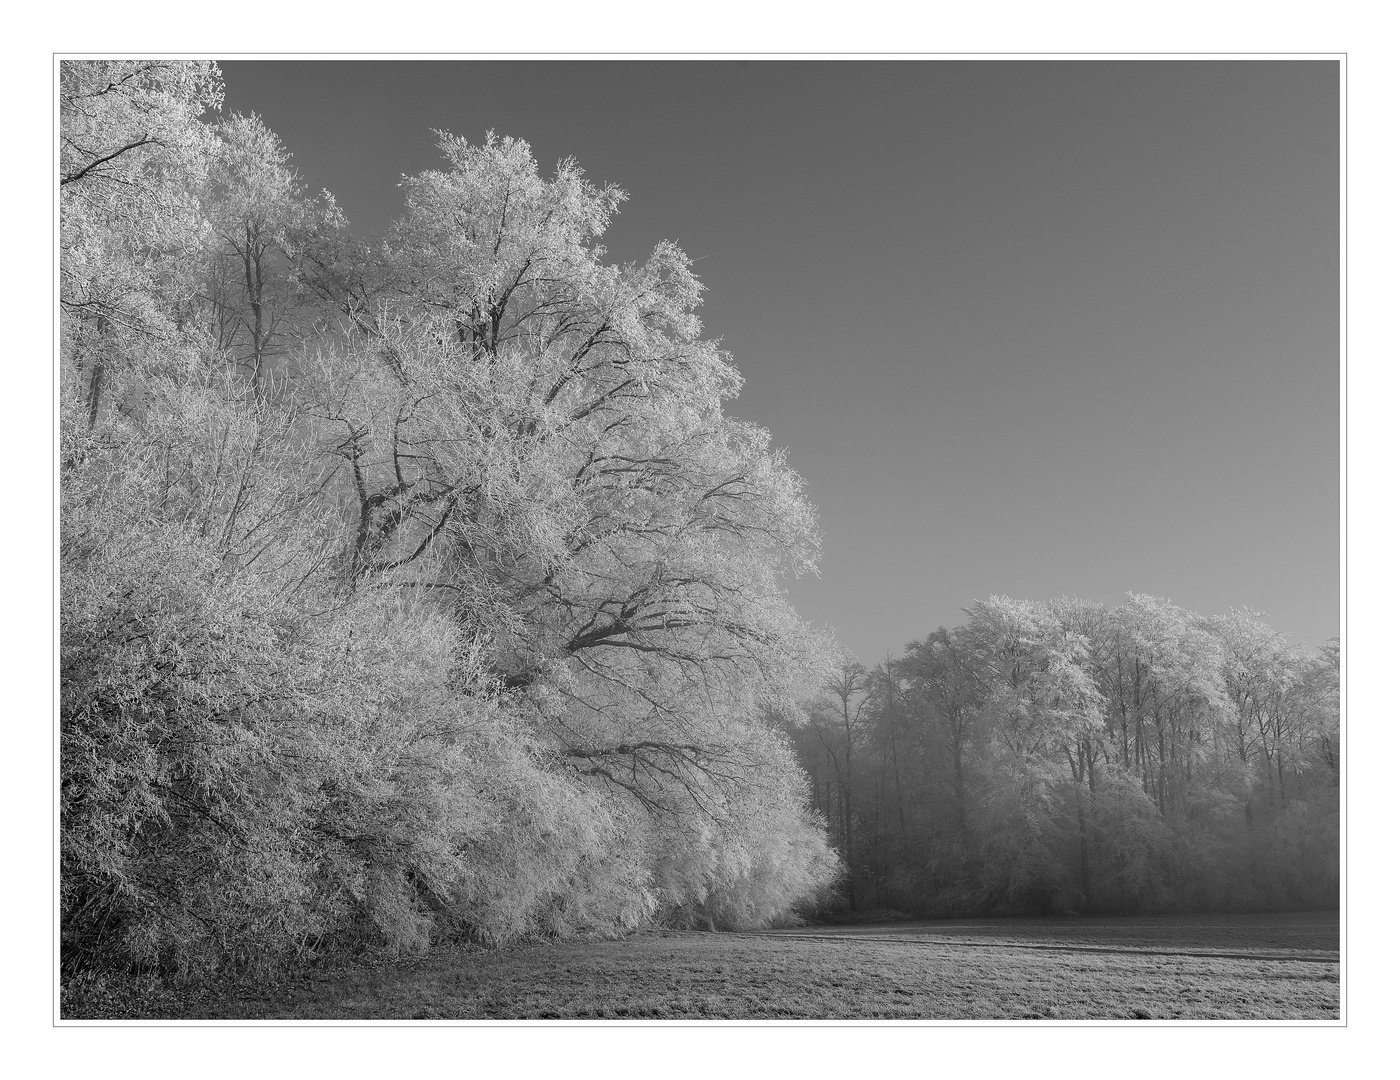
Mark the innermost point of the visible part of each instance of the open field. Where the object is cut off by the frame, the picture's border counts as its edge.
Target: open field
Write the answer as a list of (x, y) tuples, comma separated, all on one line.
[(1182, 967)]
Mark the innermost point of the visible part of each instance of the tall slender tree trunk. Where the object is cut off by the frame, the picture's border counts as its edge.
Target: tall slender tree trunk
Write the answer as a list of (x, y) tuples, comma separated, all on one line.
[(98, 378), (959, 788), (1080, 771), (99, 373), (846, 830), (894, 744), (1083, 850), (847, 822)]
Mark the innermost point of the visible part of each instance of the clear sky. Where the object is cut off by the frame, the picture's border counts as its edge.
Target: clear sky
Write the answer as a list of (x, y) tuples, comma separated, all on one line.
[(1039, 328)]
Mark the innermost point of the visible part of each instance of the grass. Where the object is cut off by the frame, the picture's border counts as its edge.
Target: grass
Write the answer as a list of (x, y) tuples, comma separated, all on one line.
[(1172, 968)]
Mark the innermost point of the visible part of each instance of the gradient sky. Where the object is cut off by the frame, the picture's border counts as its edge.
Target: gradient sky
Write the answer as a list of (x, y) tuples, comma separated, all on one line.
[(1038, 328)]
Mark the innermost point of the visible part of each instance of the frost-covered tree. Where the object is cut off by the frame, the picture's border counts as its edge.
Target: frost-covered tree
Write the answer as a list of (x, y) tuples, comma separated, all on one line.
[(262, 222), (132, 153), (411, 589), (536, 439), (1075, 756)]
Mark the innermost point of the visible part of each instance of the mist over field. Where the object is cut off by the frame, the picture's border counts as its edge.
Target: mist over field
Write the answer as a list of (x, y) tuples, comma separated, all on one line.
[(425, 602)]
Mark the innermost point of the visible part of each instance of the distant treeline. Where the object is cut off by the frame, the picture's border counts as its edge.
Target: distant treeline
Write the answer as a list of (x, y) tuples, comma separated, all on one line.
[(1073, 757), (412, 588)]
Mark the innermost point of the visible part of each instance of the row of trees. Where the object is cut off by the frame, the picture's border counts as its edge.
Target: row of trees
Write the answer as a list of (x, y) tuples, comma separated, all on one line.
[(411, 587), (1075, 757)]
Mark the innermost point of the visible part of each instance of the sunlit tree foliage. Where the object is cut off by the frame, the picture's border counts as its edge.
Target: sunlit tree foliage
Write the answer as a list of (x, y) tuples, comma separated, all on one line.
[(412, 588)]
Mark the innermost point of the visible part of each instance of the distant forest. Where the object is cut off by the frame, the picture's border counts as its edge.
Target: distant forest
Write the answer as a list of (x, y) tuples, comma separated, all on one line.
[(418, 588), (1073, 757)]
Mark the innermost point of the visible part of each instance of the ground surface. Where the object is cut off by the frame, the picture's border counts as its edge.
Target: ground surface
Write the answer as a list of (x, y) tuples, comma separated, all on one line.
[(1178, 967)]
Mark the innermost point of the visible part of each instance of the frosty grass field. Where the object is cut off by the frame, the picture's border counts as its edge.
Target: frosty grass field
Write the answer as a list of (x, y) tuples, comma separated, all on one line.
[(1275, 967)]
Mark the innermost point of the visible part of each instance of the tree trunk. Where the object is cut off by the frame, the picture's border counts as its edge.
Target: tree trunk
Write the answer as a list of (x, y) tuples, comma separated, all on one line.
[(1083, 850)]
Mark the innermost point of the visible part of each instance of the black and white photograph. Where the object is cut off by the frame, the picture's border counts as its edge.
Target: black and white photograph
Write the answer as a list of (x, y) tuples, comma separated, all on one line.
[(669, 540)]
